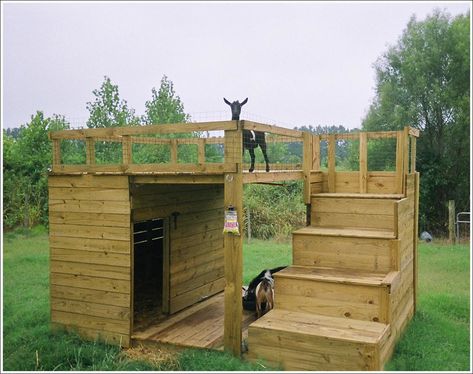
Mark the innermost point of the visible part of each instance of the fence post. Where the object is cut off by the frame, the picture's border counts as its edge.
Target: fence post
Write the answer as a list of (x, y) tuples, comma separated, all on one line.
[(248, 228), (451, 221)]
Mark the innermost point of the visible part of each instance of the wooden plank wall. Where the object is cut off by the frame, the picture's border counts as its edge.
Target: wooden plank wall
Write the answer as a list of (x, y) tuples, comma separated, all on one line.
[(349, 182), (90, 256), (196, 238)]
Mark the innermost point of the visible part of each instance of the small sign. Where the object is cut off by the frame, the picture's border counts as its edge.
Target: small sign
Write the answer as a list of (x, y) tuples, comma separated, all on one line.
[(231, 221)]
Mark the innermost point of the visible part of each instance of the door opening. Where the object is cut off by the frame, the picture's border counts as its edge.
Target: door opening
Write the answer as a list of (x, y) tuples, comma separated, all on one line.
[(150, 271)]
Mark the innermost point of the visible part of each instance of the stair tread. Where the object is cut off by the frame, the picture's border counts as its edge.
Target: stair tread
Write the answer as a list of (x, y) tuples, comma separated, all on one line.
[(351, 232), (337, 275), (339, 328), (359, 195)]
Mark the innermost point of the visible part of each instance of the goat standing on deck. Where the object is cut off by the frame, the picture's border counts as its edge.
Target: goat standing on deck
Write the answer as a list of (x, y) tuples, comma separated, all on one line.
[(251, 139)]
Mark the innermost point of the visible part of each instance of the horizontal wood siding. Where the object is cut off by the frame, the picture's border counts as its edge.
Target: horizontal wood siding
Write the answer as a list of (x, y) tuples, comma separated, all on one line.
[(90, 263), (196, 238), (353, 213), (382, 182)]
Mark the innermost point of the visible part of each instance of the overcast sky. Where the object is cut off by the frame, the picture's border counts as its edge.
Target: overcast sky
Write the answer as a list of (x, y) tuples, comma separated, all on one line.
[(304, 63)]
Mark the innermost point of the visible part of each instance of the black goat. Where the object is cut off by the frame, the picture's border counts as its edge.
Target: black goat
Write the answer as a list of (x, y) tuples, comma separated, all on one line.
[(251, 139)]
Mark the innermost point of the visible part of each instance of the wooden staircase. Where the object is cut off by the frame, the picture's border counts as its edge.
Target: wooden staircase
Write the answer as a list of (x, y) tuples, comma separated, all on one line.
[(350, 291)]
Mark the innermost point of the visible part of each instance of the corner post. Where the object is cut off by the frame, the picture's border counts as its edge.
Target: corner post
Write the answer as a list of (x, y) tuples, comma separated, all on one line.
[(331, 162), (233, 244), (363, 162), (307, 164)]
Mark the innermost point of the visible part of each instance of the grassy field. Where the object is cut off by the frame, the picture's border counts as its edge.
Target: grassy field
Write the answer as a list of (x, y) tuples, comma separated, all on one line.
[(437, 339)]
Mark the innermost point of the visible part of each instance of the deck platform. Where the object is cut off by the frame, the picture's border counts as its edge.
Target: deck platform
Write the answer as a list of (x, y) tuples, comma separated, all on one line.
[(199, 326)]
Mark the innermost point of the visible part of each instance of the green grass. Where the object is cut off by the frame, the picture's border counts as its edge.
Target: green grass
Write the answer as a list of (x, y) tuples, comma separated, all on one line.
[(436, 340)]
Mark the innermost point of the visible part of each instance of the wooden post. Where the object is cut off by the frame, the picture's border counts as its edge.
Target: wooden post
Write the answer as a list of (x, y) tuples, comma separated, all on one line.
[(56, 152), (363, 162), (405, 157), (233, 245), (306, 164), (331, 163), (173, 151), (315, 152), (90, 150), (201, 151), (451, 221), (399, 162), (416, 237), (127, 157), (413, 154)]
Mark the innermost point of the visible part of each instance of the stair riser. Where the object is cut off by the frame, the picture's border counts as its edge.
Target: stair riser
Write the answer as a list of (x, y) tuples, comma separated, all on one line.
[(352, 212), (377, 255), (298, 351), (362, 302)]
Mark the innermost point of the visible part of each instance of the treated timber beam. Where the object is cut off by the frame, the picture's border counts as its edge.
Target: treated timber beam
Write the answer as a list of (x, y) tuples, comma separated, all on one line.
[(233, 246), (272, 176)]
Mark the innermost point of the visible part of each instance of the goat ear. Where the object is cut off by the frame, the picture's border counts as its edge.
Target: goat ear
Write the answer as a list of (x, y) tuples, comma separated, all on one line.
[(226, 101), (244, 102)]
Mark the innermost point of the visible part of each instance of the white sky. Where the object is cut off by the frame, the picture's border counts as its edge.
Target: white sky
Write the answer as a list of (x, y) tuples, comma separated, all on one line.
[(299, 63)]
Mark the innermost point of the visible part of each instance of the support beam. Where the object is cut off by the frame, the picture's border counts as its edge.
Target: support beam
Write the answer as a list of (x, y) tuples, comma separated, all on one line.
[(233, 246)]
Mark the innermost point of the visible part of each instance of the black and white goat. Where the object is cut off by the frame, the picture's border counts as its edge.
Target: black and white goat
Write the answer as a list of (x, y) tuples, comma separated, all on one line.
[(264, 295), (251, 139)]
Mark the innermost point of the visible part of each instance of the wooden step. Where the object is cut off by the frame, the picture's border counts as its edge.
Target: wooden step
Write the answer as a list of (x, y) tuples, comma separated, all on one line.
[(360, 195), (352, 211), (335, 292), (302, 341), (310, 248), (346, 232)]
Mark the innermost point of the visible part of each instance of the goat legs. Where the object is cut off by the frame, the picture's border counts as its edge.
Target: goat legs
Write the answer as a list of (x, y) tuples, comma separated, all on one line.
[(265, 155), (252, 155)]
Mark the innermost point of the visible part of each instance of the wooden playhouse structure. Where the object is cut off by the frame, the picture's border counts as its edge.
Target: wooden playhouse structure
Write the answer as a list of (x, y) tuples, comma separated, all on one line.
[(138, 251)]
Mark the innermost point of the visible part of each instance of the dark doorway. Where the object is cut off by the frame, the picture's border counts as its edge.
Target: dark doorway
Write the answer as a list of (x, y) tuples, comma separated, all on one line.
[(151, 269)]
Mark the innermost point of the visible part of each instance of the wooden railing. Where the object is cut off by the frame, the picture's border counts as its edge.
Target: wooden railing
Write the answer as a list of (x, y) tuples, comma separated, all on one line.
[(404, 163), (232, 159)]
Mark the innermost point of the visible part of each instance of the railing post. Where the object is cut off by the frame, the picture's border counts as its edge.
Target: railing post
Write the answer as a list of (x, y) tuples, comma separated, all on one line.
[(331, 163), (306, 164), (173, 151), (451, 221), (233, 244), (90, 150), (127, 157), (315, 152), (56, 153), (399, 162), (201, 151), (363, 162), (413, 154)]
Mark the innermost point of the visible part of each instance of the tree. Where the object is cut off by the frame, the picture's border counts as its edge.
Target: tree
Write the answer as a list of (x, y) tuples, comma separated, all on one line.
[(165, 106), (107, 110), (423, 81), (25, 165)]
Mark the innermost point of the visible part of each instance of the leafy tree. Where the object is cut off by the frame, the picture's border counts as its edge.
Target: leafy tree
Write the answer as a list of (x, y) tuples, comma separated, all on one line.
[(107, 110), (165, 105), (423, 81), (25, 165)]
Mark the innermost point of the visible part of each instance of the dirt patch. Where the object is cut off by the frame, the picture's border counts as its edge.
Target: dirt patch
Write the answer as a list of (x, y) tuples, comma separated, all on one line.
[(155, 355)]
